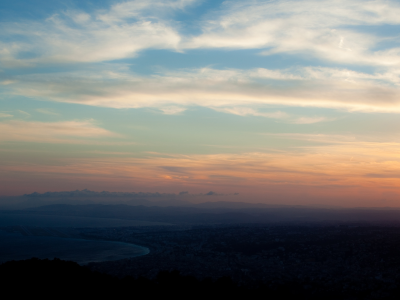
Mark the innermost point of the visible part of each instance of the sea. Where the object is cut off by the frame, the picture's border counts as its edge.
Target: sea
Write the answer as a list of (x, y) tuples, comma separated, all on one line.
[(19, 244)]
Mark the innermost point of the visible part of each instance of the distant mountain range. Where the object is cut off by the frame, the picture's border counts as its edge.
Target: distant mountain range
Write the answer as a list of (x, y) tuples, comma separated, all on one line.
[(204, 214), (91, 197), (180, 208)]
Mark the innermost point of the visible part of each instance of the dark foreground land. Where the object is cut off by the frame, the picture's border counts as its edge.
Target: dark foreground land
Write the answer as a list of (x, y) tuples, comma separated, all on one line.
[(349, 261), (263, 253), (325, 261), (55, 278)]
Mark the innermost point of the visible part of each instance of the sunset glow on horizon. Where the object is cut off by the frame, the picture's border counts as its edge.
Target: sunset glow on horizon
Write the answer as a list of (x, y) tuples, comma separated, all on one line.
[(284, 102)]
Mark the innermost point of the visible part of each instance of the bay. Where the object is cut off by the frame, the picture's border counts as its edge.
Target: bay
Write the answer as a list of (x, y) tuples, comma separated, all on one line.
[(16, 245)]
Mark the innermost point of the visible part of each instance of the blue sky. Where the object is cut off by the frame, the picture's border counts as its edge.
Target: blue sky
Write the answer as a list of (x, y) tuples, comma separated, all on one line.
[(230, 83)]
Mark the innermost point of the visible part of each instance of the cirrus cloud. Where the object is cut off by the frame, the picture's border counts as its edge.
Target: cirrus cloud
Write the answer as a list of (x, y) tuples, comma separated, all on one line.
[(329, 30), (333, 31), (76, 36), (52, 132), (234, 91)]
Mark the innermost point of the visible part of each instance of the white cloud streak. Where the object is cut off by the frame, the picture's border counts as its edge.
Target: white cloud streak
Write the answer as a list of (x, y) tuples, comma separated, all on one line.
[(279, 115), (47, 111), (234, 91), (24, 113), (172, 110), (246, 111), (5, 115), (52, 132)]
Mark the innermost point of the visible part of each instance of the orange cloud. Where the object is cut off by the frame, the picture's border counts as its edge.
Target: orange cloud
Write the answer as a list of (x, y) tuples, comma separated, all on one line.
[(343, 173)]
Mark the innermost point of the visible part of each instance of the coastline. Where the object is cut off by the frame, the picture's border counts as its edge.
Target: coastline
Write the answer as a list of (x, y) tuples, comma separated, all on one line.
[(16, 246)]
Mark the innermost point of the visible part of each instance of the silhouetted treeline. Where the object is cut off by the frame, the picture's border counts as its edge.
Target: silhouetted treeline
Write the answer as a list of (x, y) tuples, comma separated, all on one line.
[(57, 278)]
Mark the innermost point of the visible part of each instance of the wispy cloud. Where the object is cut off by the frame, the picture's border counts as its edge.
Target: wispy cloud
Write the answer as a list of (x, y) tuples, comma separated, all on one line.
[(6, 82), (246, 111), (310, 120), (341, 140), (52, 132), (283, 116), (5, 115), (235, 91), (331, 31), (47, 111), (119, 32), (172, 110), (325, 29), (24, 113)]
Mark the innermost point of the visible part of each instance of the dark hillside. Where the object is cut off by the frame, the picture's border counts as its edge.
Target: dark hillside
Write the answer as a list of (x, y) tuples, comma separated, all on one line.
[(55, 278)]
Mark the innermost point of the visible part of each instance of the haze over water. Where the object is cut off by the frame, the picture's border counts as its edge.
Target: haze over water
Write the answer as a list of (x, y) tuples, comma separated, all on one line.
[(19, 239)]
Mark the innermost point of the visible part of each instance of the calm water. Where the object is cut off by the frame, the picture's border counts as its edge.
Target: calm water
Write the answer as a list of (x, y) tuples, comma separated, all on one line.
[(8, 219), (15, 246)]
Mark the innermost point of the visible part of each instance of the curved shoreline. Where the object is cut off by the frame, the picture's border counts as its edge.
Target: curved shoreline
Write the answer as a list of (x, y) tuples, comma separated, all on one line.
[(82, 251)]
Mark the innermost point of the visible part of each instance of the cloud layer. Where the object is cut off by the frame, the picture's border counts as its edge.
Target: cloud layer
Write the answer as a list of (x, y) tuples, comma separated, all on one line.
[(325, 29), (220, 89), (306, 65), (328, 31), (340, 171), (77, 36)]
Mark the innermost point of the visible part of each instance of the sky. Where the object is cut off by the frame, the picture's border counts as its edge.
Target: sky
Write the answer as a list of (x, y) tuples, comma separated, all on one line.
[(285, 102)]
